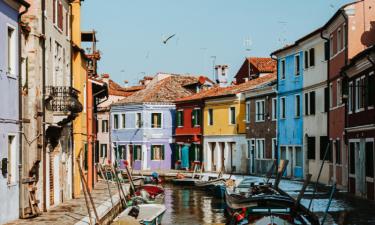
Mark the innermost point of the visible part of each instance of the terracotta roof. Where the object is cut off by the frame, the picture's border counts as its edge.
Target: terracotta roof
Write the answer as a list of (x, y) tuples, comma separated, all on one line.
[(165, 90), (224, 91), (263, 65)]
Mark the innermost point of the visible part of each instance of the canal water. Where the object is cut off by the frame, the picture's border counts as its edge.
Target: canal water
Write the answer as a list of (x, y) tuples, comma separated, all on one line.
[(186, 205)]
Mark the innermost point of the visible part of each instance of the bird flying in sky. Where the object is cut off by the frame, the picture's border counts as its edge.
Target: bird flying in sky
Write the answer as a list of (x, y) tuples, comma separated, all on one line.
[(166, 40)]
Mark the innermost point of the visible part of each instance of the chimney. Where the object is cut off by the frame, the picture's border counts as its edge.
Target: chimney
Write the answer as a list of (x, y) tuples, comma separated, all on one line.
[(221, 75)]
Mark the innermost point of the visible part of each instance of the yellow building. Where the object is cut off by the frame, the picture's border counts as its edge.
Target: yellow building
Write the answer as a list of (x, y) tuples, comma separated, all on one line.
[(79, 83), (224, 133)]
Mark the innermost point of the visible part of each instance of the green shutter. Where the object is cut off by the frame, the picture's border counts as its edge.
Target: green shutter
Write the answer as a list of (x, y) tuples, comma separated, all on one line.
[(134, 153), (159, 120), (198, 117), (182, 118), (178, 118), (162, 152), (152, 152)]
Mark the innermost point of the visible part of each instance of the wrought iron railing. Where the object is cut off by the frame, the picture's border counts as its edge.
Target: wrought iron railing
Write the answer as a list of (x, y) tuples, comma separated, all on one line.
[(62, 99)]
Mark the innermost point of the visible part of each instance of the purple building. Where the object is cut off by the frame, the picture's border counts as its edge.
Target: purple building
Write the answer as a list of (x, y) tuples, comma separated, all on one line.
[(9, 110), (143, 125)]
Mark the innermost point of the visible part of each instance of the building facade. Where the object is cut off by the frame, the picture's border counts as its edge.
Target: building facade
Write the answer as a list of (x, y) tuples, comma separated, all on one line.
[(360, 127), (289, 98), (254, 67), (349, 32), (143, 124), (261, 119), (10, 135)]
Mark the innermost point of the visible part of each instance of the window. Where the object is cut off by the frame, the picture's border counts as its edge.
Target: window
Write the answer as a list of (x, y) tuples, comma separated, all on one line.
[(85, 157), (103, 150), (324, 141), (369, 159), (115, 121), (282, 107), (259, 151), (210, 117), (312, 57), (312, 103), (326, 99), (331, 53), (306, 104), (297, 105), (306, 55), (338, 151), (11, 56), (274, 109), (138, 120), (259, 108), (54, 11), (104, 126), (282, 69), (196, 150), (350, 97), (232, 115), (311, 147), (180, 118), (352, 157), (338, 88), (339, 41), (370, 90), (196, 117), (155, 120), (123, 121), (344, 36), (326, 50), (137, 152), (296, 65), (247, 114), (60, 16), (157, 152), (299, 157), (330, 95), (12, 162), (274, 148), (360, 93)]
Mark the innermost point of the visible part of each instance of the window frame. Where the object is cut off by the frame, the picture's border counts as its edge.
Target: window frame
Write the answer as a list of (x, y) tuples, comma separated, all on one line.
[(283, 107), (105, 128), (116, 121), (123, 120), (210, 117), (260, 117), (312, 57), (196, 117), (138, 120), (101, 150), (339, 92), (350, 97), (260, 153), (339, 40), (331, 95), (247, 111), (306, 59), (232, 113), (11, 175), (161, 120), (180, 118), (274, 109), (162, 152), (283, 69), (297, 65), (138, 153), (11, 51), (297, 107)]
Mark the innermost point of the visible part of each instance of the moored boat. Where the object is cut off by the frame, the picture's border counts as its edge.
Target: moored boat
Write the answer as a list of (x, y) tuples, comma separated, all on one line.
[(149, 214)]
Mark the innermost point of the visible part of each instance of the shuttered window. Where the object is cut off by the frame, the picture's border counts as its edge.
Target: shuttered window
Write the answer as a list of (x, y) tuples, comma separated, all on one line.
[(311, 147), (232, 115), (306, 55), (137, 152), (312, 57), (196, 117), (306, 103), (180, 118), (156, 120), (157, 152), (326, 99), (323, 146), (312, 103)]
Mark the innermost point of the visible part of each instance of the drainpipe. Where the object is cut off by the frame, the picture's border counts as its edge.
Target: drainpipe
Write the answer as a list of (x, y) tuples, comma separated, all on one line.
[(71, 84), (20, 167), (277, 107), (43, 107)]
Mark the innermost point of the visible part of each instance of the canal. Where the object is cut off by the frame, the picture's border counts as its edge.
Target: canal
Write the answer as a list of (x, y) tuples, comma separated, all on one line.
[(188, 205)]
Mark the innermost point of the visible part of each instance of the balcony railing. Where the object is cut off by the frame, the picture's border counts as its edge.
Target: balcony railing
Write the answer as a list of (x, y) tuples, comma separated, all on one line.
[(62, 99)]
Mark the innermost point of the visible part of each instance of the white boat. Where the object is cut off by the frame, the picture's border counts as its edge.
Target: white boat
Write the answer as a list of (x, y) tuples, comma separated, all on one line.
[(149, 214)]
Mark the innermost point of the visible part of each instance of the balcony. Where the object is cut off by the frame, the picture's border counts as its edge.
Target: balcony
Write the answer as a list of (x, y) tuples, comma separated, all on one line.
[(62, 99)]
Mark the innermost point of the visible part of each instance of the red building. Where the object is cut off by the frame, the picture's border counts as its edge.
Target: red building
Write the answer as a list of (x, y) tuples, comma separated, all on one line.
[(348, 32), (360, 126), (254, 67)]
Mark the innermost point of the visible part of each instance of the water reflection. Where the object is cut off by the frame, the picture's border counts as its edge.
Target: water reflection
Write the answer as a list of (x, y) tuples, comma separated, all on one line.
[(185, 206)]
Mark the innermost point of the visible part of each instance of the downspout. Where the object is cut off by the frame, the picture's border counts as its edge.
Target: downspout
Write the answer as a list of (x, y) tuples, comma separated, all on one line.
[(20, 166), (277, 107), (71, 84), (43, 107)]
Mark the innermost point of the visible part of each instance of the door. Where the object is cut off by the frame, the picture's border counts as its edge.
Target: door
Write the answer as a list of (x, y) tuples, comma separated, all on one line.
[(369, 167), (222, 149), (352, 179), (185, 157), (290, 157)]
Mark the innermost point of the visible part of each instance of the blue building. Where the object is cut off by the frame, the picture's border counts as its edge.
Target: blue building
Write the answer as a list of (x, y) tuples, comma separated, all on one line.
[(290, 118), (9, 110)]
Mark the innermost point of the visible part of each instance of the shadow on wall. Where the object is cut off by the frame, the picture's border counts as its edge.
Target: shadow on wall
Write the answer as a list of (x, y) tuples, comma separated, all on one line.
[(368, 37)]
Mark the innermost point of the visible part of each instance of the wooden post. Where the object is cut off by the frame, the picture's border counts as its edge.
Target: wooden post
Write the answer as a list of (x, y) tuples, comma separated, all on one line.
[(119, 187), (106, 179), (85, 186), (280, 172), (87, 202), (302, 192)]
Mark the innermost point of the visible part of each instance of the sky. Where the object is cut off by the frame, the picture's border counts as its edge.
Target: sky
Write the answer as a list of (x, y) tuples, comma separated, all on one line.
[(207, 32)]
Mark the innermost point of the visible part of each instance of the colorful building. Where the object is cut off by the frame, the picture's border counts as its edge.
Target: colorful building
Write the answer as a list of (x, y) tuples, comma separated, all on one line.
[(143, 124), (359, 78), (10, 115), (254, 67), (261, 119), (349, 32), (290, 97)]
